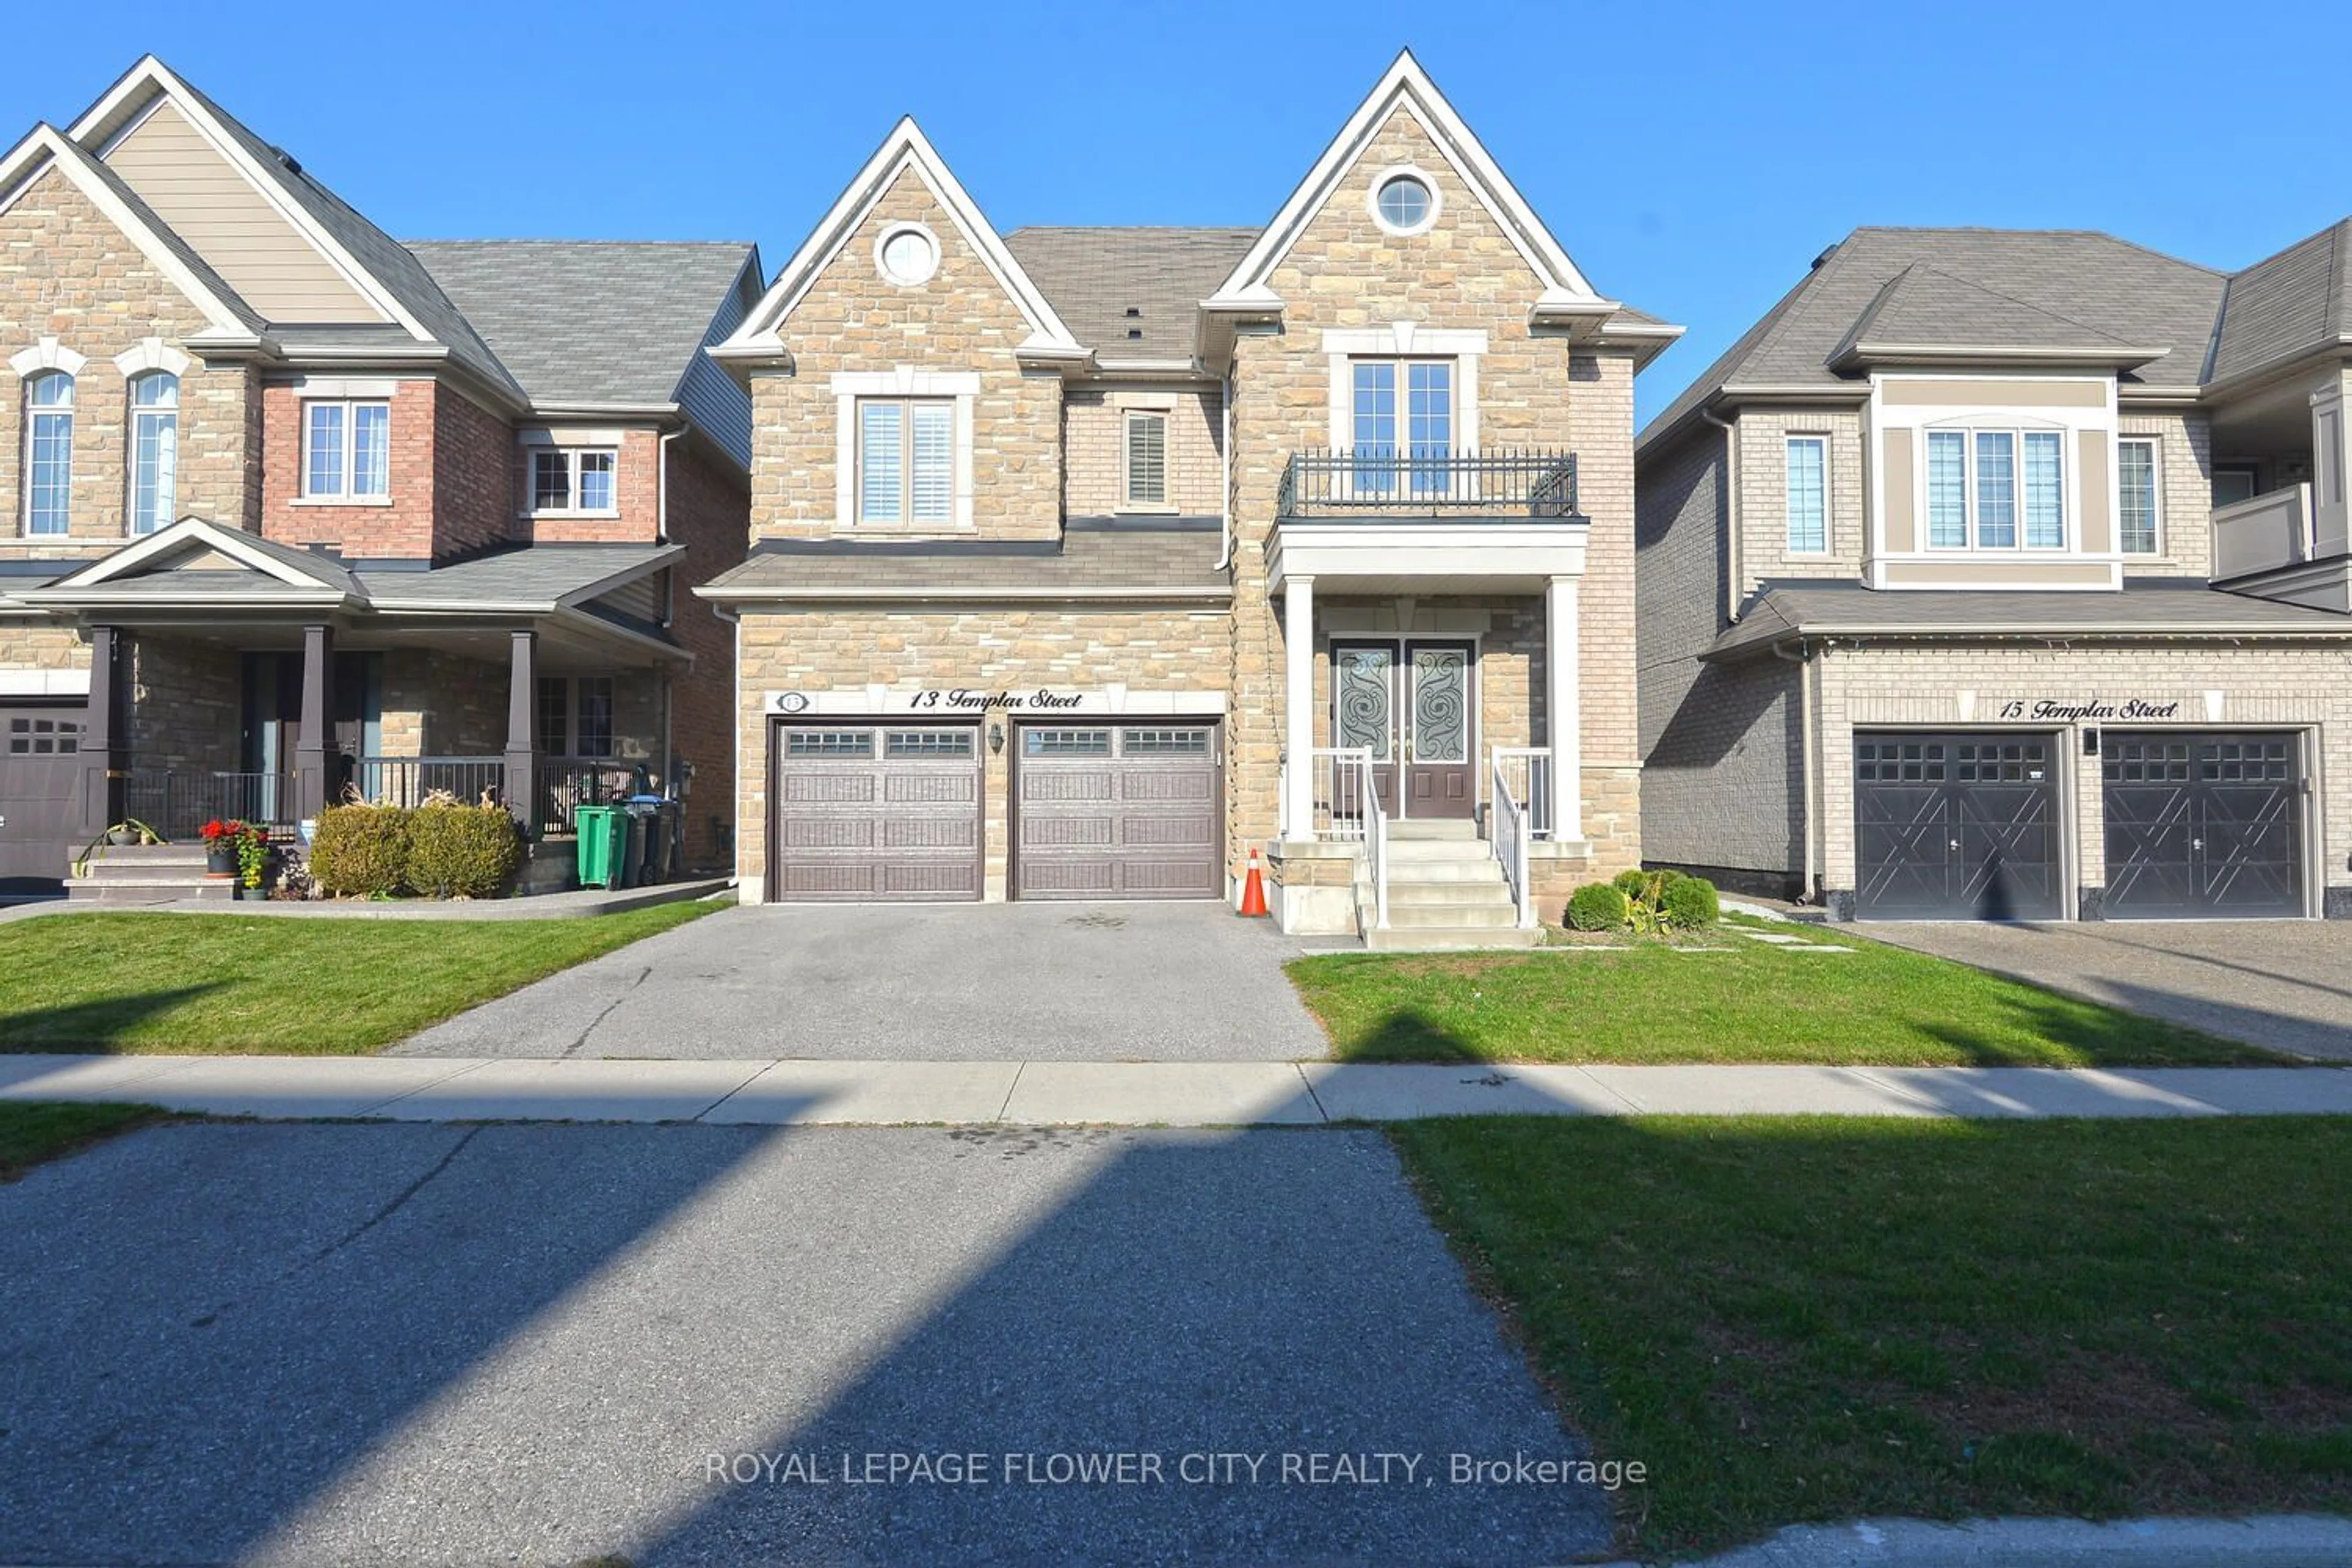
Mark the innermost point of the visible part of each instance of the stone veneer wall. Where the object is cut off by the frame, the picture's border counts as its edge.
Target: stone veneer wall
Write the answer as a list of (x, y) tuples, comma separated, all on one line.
[(1345, 272), (438, 704), (1166, 649), (186, 701), (2259, 687), (66, 272)]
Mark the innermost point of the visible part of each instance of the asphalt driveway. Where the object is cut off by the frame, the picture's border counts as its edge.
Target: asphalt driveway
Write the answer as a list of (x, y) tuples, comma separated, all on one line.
[(2285, 985), (1174, 981), (324, 1344)]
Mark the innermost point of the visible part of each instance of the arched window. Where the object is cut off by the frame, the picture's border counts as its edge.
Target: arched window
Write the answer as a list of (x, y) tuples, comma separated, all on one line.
[(154, 449), (48, 451)]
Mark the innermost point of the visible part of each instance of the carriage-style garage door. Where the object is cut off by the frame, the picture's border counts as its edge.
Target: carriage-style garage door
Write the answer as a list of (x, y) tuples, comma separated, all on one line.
[(2203, 824), (867, 812), (1956, 826), (41, 779), (1118, 811)]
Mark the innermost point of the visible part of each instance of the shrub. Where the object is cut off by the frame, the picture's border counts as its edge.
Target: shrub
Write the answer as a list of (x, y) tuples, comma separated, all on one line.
[(461, 851), (1597, 906), (361, 849), (1688, 903), (1633, 882)]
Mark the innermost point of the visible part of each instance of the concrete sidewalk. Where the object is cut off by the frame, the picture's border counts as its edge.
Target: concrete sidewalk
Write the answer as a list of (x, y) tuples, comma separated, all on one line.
[(798, 1092)]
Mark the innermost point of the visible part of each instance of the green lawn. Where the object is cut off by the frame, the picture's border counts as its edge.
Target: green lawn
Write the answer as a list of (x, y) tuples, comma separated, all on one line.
[(133, 983), (1747, 1002), (34, 1130), (1806, 1319)]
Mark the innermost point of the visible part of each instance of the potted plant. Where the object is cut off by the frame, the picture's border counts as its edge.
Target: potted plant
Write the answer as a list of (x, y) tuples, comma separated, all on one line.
[(221, 844), (252, 857), (129, 831)]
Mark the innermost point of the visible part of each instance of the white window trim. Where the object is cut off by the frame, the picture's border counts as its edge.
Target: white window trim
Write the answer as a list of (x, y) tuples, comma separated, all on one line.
[(46, 354), (527, 486), (140, 416), (904, 381), (2154, 443), (72, 412), (1167, 502), (1829, 510), (150, 354), (1404, 340), (344, 496), (882, 245), (1395, 171)]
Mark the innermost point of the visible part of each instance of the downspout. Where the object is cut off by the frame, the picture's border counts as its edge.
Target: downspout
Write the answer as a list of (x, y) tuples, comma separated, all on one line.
[(661, 486), (1808, 680), (1225, 470), (1734, 570)]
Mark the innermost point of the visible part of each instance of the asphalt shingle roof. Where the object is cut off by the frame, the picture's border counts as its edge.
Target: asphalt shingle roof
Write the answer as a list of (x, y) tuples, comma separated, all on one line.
[(1084, 559), (2146, 606), (1922, 306), (539, 577), (1094, 277), (2290, 304), (588, 320)]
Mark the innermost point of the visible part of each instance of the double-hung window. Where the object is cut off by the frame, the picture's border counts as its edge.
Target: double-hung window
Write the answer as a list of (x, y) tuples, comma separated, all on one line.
[(1808, 501), (569, 479), (1400, 423), (48, 452), (1147, 458), (906, 461), (154, 449), (346, 450), (2136, 462), (575, 715), (1991, 489)]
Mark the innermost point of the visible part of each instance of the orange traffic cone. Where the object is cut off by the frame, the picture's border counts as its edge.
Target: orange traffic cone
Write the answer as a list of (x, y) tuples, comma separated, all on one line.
[(1253, 888)]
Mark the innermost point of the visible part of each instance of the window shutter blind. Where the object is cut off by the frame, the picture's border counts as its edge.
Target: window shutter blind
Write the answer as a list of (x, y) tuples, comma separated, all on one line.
[(934, 465), (881, 458), (1146, 460)]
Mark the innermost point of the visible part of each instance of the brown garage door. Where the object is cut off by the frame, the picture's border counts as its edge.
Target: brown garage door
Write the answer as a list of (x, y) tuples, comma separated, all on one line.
[(41, 780), (866, 812), (1119, 811)]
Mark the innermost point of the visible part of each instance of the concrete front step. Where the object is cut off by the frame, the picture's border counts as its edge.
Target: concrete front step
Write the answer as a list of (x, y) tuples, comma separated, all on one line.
[(1447, 871), (149, 889), (1465, 916), (1438, 849), (1479, 893), (1418, 939), (1450, 830)]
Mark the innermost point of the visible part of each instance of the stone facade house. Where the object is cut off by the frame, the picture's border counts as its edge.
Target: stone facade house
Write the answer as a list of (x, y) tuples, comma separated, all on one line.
[(1087, 563), (2003, 575), (288, 506)]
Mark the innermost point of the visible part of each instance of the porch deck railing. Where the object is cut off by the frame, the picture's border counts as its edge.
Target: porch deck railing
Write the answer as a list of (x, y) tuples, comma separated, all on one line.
[(2264, 531), (1376, 841), (1510, 837), (177, 802), (563, 784), (1341, 776), (408, 781), (1535, 482), (1526, 771)]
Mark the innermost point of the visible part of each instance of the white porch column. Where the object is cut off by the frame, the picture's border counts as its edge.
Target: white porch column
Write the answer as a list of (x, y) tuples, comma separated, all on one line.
[(1298, 706), (1565, 718)]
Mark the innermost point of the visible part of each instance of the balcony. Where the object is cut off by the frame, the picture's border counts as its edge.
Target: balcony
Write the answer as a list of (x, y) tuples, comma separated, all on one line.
[(1434, 481), (2263, 533)]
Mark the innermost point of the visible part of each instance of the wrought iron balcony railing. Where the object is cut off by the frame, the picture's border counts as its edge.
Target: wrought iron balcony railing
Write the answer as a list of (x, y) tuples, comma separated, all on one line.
[(1534, 482)]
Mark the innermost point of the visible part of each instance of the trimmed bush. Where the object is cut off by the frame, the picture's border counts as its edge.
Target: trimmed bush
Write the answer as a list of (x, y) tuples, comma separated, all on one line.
[(461, 851), (1632, 881), (1597, 906), (1688, 903), (361, 849)]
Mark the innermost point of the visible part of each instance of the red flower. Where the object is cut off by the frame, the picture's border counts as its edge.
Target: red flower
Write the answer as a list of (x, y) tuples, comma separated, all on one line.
[(215, 830)]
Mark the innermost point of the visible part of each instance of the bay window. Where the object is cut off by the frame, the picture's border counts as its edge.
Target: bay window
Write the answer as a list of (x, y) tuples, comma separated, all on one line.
[(1982, 485)]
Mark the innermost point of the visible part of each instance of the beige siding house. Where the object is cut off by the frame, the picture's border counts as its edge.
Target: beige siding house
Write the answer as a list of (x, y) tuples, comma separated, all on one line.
[(2003, 575), (1092, 563)]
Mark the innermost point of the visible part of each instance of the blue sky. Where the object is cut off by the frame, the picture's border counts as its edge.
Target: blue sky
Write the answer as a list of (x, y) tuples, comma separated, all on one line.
[(1693, 159)]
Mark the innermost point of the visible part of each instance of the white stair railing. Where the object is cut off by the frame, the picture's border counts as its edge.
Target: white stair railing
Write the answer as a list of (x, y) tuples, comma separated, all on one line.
[(1528, 771), (1339, 775), (1513, 830), (1376, 843)]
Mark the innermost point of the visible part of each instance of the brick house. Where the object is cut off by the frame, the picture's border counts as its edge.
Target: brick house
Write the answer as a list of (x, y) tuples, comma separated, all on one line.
[(1085, 562), (2005, 574), (292, 507)]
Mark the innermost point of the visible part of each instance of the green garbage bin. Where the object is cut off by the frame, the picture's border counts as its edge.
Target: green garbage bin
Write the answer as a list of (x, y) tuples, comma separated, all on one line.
[(603, 830)]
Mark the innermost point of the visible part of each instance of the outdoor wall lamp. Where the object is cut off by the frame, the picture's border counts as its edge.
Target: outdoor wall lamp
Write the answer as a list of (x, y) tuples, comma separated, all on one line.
[(996, 738)]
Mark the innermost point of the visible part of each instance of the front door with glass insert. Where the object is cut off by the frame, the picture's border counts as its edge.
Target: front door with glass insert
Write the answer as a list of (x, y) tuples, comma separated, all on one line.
[(1409, 705)]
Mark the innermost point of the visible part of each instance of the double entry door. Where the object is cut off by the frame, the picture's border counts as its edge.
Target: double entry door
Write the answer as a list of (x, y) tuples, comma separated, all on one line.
[(1409, 702)]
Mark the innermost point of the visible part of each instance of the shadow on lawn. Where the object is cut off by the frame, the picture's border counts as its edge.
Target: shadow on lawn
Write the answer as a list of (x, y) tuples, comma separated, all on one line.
[(98, 1026)]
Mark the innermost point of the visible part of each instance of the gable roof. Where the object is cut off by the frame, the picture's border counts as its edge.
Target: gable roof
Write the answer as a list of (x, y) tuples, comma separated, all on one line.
[(605, 324), (2287, 305), (261, 564), (1130, 293), (1925, 314), (2129, 294), (905, 149), (1406, 89)]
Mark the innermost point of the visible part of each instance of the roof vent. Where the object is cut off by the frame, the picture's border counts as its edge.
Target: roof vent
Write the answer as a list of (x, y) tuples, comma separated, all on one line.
[(1824, 256), (1135, 332), (283, 157), (1132, 313)]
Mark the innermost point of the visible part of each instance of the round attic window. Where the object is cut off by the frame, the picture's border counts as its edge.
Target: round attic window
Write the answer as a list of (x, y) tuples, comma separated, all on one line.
[(1402, 201), (908, 255)]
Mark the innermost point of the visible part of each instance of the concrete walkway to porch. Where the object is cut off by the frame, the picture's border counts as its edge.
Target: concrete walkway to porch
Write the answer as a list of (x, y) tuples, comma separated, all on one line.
[(803, 1092)]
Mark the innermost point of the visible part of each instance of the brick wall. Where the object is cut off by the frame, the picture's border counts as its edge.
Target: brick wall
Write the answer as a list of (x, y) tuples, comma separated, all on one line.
[(2184, 498), (1150, 650), (66, 272), (473, 475), (1094, 432), (636, 485), (401, 527), (1762, 434), (1345, 272), (710, 514), (852, 319), (186, 709), (439, 704), (31, 643)]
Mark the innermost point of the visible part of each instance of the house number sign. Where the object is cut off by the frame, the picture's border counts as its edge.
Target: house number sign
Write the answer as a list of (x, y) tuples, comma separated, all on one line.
[(2090, 709)]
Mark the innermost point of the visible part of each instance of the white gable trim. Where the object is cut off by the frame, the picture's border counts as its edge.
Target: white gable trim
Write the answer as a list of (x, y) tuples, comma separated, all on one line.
[(179, 537), (1406, 89), (151, 353), (44, 147), (152, 74), (906, 147), (46, 354)]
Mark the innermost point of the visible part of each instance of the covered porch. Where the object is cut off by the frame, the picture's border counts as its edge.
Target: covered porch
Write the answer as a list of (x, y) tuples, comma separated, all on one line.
[(1432, 705)]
